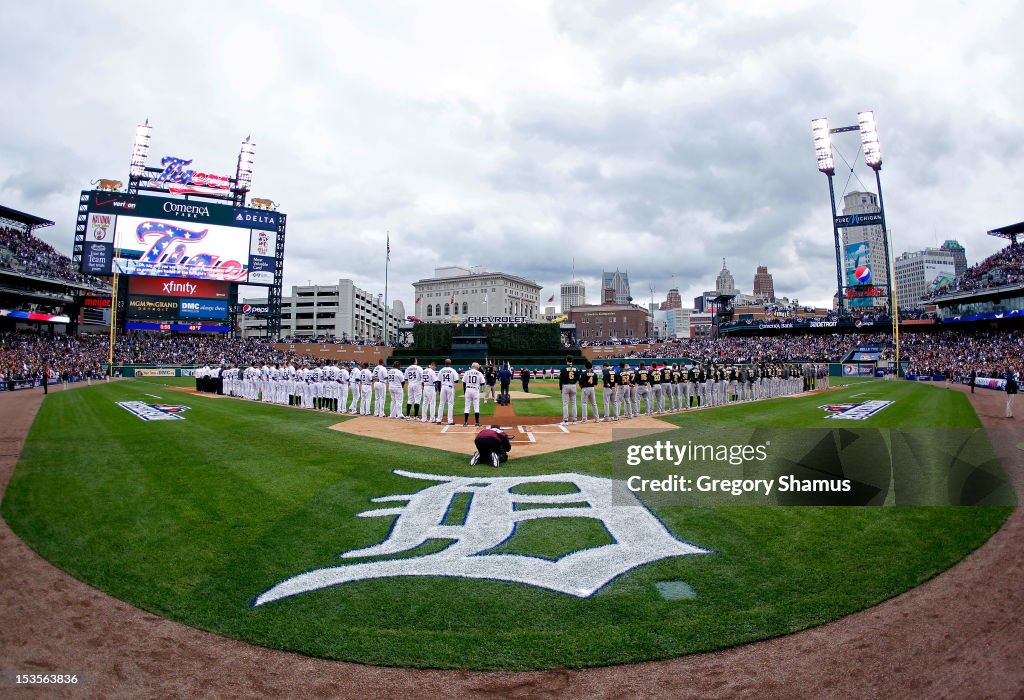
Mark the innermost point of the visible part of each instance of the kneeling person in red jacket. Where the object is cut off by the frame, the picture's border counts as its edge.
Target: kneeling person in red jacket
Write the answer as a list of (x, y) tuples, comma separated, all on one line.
[(492, 445)]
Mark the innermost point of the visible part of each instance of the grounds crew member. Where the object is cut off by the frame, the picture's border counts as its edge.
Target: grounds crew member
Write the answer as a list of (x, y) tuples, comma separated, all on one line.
[(567, 380), (448, 378), (414, 376), (428, 378), (473, 380), (492, 445), (610, 386), (588, 383)]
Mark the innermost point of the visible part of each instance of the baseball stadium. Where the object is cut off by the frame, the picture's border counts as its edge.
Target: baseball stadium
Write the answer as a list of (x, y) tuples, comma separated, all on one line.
[(203, 501), (213, 488)]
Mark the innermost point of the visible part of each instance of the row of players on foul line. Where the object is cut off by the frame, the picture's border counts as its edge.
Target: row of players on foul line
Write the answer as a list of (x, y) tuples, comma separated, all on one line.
[(625, 390)]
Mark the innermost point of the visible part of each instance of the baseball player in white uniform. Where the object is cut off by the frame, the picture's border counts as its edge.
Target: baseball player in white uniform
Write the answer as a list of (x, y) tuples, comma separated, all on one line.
[(473, 380), (365, 389), (414, 377), (448, 378), (380, 384), (396, 378), (355, 380), (428, 399), (343, 378)]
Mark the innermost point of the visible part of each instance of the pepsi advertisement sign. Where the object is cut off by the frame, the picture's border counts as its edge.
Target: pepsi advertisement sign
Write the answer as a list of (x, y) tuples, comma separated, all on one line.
[(255, 310), (211, 309)]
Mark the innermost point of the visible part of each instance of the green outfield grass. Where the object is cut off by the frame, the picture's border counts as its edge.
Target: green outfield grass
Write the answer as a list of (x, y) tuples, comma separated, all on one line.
[(192, 519)]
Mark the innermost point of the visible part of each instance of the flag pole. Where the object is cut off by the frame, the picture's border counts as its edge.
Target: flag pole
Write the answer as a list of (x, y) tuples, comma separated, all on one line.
[(387, 262)]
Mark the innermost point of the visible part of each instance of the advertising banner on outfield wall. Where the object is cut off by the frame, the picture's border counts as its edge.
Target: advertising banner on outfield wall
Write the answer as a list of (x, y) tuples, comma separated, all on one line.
[(858, 370), (156, 372)]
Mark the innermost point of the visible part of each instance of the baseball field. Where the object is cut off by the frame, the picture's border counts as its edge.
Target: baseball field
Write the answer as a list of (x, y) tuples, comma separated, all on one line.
[(200, 516)]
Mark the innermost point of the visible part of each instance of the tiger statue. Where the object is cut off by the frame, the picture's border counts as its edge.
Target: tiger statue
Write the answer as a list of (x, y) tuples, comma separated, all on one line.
[(258, 203), (111, 185)]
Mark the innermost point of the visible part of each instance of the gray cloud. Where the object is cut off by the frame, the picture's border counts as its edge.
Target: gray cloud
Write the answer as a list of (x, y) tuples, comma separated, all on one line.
[(657, 137)]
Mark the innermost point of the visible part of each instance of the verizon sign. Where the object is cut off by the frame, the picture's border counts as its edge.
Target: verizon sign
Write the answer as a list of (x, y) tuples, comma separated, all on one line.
[(177, 287)]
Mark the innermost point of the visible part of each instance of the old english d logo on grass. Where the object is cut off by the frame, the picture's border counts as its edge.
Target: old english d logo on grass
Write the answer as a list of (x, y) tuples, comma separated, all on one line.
[(491, 518)]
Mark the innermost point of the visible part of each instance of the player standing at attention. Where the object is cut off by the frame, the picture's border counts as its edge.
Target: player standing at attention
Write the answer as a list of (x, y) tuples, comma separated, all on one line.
[(428, 378), (588, 383), (473, 380), (656, 392), (414, 376), (567, 380), (355, 381), (380, 384), (343, 378), (396, 378), (365, 389), (448, 378), (609, 384), (642, 389), (624, 396)]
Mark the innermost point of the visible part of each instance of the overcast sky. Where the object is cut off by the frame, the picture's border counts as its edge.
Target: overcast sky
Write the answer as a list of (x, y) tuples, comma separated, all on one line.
[(653, 137)]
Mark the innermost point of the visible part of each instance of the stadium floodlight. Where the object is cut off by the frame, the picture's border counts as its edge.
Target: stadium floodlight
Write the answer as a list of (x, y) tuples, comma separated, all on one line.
[(823, 146), (869, 137), (245, 162), (140, 150)]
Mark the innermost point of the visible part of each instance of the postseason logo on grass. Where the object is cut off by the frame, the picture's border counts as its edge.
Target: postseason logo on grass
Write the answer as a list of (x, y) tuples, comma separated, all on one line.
[(854, 411), (153, 411)]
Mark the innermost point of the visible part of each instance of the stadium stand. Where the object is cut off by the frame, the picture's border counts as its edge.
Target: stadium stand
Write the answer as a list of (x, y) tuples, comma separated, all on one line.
[(1004, 268)]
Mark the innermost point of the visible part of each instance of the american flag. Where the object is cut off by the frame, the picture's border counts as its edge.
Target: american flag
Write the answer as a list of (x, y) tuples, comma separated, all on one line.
[(389, 247)]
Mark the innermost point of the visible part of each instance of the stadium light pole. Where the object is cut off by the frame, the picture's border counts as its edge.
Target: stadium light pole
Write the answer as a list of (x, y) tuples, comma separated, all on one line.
[(827, 166), (873, 159)]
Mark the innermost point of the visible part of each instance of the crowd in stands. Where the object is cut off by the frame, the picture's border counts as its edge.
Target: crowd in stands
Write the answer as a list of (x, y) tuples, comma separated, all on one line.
[(1006, 267), (22, 252), (25, 355), (989, 353), (955, 351)]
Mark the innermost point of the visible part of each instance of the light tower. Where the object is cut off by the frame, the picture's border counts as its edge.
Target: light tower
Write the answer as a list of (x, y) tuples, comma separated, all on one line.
[(822, 136)]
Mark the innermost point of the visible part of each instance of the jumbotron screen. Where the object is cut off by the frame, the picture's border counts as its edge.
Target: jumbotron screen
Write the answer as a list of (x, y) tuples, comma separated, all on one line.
[(147, 236)]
